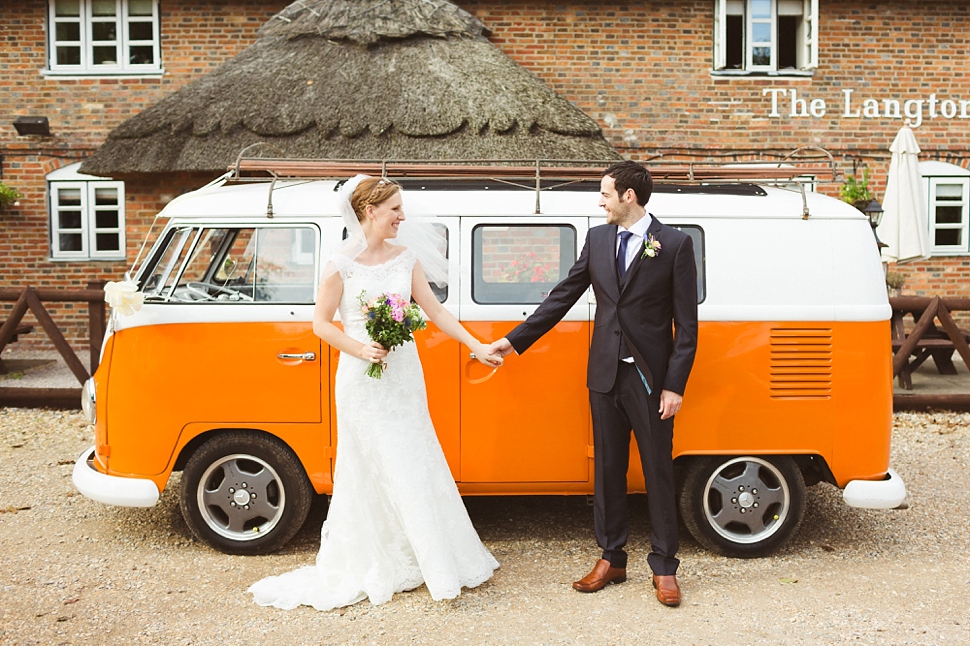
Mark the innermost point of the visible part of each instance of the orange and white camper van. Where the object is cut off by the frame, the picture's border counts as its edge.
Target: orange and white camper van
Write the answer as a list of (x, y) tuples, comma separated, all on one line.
[(220, 376)]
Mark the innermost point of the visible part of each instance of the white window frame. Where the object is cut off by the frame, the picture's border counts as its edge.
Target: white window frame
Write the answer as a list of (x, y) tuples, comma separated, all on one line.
[(122, 43), (807, 34), (963, 225), (69, 178)]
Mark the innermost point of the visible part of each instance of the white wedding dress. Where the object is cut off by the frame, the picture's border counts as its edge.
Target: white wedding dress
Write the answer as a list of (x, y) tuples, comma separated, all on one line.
[(396, 519)]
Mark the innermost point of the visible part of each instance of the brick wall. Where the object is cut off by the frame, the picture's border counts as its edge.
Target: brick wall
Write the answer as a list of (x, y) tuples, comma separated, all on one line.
[(196, 38), (641, 69)]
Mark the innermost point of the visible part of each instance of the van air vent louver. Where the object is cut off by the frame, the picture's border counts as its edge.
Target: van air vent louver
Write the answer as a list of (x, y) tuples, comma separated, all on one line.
[(801, 363)]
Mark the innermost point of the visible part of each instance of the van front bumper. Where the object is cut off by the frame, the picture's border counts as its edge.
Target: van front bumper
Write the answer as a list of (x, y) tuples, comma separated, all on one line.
[(888, 493), (111, 490)]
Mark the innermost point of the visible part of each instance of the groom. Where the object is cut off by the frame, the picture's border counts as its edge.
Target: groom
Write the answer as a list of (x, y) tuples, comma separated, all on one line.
[(644, 279)]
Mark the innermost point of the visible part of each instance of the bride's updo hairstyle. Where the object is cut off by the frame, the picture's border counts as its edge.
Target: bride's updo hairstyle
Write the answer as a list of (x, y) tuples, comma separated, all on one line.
[(372, 190)]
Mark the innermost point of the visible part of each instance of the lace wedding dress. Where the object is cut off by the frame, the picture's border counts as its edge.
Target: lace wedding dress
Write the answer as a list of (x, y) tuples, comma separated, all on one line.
[(395, 519)]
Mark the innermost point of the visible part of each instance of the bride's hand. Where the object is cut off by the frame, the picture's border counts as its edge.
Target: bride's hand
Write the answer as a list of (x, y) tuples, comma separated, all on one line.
[(372, 352), (484, 354)]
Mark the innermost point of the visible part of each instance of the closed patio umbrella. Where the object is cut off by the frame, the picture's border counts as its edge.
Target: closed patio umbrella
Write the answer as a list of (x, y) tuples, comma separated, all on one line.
[(903, 227)]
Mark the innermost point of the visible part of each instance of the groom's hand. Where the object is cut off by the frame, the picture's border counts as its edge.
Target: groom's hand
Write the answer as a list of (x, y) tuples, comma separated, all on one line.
[(502, 347), (669, 403)]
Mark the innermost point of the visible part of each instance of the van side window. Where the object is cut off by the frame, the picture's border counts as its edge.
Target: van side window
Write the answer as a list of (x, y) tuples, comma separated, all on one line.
[(697, 237), (261, 265), (519, 263)]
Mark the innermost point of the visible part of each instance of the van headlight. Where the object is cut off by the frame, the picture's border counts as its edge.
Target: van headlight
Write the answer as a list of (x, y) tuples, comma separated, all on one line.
[(88, 401)]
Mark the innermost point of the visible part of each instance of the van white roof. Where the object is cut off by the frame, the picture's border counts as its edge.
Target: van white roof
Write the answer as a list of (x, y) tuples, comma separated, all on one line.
[(303, 198)]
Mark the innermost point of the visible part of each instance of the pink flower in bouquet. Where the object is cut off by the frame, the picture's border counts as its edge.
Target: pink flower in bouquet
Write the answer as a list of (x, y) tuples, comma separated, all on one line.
[(391, 320)]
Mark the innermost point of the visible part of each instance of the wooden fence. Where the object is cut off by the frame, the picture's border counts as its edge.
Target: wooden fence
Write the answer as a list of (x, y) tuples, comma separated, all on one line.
[(29, 298)]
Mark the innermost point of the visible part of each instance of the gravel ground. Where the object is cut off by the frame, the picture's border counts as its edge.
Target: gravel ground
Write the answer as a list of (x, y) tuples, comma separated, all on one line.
[(51, 371), (74, 571)]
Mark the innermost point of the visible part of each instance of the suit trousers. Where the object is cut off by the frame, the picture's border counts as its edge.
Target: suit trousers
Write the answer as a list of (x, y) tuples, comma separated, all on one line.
[(628, 406)]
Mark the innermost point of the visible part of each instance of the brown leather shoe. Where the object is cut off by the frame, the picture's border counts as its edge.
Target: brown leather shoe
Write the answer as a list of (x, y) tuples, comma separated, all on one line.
[(668, 592), (602, 574)]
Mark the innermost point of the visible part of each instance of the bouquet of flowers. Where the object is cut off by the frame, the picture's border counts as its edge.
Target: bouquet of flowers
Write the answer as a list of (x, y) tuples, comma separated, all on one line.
[(391, 321)]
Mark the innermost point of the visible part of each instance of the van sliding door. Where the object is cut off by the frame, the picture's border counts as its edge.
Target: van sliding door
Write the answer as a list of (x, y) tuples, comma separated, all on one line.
[(530, 421)]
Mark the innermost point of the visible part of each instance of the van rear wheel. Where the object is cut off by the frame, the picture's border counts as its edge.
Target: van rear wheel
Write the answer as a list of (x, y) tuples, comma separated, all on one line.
[(743, 507), (245, 493)]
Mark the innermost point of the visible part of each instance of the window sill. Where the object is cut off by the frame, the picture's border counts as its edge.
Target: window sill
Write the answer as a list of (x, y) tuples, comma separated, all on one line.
[(773, 74), (86, 259), (69, 75)]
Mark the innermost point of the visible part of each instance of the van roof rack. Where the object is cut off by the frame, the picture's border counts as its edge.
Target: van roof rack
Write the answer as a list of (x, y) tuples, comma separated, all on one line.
[(790, 168), (808, 164)]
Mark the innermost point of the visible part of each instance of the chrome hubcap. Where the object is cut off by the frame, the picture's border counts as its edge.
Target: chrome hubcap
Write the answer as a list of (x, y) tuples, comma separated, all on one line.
[(241, 497), (746, 500)]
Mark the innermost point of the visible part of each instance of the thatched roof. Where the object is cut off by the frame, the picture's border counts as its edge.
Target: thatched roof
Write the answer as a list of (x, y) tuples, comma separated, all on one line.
[(364, 79)]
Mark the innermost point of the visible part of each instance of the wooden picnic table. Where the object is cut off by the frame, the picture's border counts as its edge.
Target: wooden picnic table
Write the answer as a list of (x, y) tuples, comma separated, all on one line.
[(926, 340)]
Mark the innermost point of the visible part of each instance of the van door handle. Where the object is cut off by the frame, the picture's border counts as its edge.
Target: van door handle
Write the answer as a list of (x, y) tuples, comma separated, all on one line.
[(306, 356)]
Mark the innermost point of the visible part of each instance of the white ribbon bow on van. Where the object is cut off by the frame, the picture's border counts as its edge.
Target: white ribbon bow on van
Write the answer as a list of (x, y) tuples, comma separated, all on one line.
[(123, 297)]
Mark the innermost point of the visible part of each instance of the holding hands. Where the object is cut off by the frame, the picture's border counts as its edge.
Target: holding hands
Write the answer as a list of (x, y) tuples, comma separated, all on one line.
[(502, 347), (487, 355)]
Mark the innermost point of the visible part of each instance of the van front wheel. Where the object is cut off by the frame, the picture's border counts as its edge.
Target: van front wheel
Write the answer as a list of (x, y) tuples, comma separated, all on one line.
[(743, 507), (245, 493)]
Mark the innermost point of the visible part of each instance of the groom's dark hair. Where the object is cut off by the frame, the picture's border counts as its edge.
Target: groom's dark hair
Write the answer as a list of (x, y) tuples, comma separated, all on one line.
[(630, 174)]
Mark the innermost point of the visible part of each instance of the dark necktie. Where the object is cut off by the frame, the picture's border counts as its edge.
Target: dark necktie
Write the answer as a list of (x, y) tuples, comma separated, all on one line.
[(621, 254)]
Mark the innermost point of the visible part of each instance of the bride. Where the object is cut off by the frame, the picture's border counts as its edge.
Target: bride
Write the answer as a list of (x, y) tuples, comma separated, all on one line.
[(396, 519)]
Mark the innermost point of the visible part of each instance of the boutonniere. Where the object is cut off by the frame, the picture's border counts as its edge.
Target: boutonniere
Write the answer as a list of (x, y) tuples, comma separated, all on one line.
[(651, 247)]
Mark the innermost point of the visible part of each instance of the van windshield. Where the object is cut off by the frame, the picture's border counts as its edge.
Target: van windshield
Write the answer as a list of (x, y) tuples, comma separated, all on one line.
[(269, 264)]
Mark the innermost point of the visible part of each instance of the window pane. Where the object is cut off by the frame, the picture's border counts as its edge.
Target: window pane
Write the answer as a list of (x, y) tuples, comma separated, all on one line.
[(67, 7), (106, 220), (68, 55), (140, 31), (141, 55), (519, 264), (139, 7), (163, 273), (735, 43), (949, 191), (283, 272), (101, 31), (761, 8), (69, 220), (949, 237), (68, 31), (761, 56), (949, 215), (69, 197), (761, 32), (103, 7), (697, 237), (788, 41), (106, 196), (221, 268), (107, 242), (70, 242), (105, 56)]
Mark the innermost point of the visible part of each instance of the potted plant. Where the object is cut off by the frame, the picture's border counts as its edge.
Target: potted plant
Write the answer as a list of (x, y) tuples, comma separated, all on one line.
[(856, 191), (8, 197), (895, 282)]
